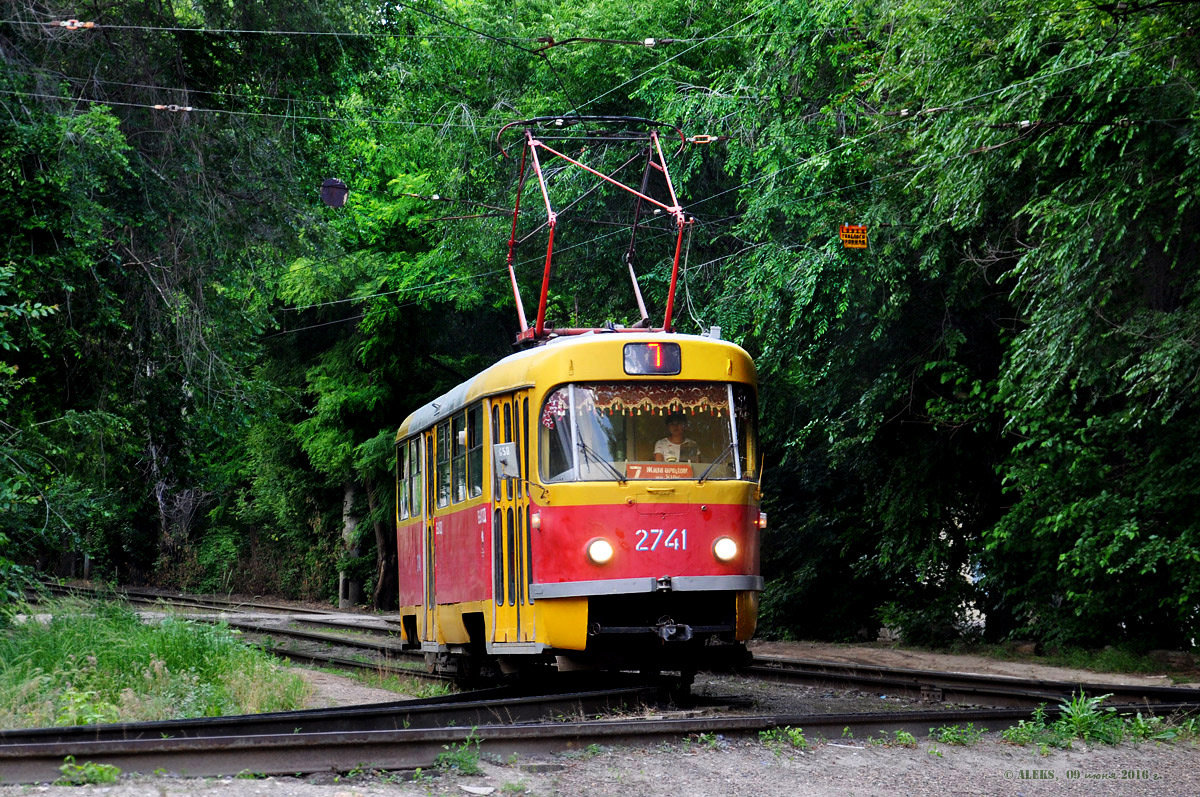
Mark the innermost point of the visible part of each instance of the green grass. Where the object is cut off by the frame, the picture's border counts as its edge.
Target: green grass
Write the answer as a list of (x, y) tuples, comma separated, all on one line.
[(97, 662)]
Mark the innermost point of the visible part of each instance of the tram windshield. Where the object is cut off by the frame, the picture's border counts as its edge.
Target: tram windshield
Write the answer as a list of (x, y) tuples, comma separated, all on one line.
[(617, 431)]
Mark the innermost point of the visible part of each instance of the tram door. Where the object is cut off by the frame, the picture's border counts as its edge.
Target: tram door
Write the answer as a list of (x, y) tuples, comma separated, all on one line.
[(511, 556), (429, 599)]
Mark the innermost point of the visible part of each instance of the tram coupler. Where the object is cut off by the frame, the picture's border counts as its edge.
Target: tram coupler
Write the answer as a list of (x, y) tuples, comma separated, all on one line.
[(673, 632)]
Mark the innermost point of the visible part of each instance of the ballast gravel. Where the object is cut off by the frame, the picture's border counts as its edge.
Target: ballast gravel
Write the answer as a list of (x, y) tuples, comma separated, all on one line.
[(732, 768)]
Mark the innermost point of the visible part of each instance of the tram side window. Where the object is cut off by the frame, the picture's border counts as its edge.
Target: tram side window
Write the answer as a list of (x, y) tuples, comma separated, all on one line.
[(414, 477), (475, 451), (747, 440), (458, 444), (402, 480), (443, 464)]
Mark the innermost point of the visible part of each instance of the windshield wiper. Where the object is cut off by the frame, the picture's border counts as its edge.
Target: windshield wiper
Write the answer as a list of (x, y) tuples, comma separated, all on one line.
[(612, 468), (716, 462)]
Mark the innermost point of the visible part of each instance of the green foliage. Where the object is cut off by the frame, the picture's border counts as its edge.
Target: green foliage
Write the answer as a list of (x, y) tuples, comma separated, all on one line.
[(461, 758), (1083, 718), (781, 739), (87, 773), (989, 408), (955, 734), (897, 739)]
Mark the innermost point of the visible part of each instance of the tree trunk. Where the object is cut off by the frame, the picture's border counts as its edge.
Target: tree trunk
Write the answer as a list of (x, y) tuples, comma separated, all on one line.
[(349, 590), (387, 578)]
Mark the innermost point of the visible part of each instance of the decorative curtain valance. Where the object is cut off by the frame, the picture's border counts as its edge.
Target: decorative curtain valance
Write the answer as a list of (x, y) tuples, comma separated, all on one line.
[(636, 398)]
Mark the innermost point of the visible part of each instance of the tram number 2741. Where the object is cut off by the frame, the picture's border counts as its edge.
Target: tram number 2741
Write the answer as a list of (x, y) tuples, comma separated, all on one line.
[(650, 539)]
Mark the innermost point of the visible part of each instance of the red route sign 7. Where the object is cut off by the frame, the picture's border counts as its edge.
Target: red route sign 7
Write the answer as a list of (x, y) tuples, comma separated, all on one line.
[(854, 236)]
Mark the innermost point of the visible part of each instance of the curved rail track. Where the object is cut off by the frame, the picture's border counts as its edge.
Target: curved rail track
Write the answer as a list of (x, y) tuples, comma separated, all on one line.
[(369, 747)]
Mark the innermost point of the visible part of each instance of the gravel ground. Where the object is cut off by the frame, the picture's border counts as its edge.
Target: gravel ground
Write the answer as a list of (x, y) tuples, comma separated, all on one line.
[(738, 767)]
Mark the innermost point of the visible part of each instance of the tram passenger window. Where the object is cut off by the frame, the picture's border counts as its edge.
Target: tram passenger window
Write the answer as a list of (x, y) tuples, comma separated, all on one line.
[(475, 451), (458, 444), (443, 464), (555, 430), (525, 438), (414, 477), (745, 415), (508, 484), (402, 480)]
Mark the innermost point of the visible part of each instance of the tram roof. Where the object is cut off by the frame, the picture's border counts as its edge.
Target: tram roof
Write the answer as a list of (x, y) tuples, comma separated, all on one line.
[(546, 363)]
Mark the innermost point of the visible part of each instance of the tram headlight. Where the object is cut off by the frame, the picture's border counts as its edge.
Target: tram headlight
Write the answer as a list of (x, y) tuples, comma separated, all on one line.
[(725, 549), (600, 551)]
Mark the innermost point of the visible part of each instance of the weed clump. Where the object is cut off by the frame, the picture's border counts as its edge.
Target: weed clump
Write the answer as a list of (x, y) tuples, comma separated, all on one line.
[(1086, 720)]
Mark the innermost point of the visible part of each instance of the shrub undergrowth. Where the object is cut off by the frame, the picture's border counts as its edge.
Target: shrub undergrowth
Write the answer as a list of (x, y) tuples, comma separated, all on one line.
[(80, 663), (1084, 719)]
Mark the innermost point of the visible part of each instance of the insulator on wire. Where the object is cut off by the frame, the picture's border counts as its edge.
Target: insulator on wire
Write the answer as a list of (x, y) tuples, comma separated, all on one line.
[(174, 108), (73, 24)]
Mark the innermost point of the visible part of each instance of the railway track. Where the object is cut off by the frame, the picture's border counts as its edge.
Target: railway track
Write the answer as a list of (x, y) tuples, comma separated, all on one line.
[(151, 597), (367, 746), (410, 734)]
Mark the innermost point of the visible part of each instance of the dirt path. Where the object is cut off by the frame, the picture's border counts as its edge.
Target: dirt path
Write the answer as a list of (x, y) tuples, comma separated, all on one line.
[(888, 656), (338, 690)]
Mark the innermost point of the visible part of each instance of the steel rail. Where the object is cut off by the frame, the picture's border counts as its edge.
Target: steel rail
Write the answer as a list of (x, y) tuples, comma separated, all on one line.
[(500, 706), (410, 748), (341, 624), (384, 648), (952, 687), (199, 601), (351, 665)]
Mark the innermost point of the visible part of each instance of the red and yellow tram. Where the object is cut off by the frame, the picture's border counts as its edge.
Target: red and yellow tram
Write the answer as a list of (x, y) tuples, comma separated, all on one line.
[(537, 523)]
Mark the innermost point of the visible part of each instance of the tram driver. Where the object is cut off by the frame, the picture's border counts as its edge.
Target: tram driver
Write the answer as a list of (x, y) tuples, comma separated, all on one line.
[(677, 446)]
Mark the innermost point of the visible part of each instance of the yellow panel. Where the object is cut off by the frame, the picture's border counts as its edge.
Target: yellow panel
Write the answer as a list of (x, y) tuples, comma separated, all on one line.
[(562, 622), (450, 628), (416, 613), (589, 493), (747, 615)]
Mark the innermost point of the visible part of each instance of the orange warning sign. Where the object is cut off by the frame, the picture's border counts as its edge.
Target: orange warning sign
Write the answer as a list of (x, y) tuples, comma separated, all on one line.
[(854, 236)]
